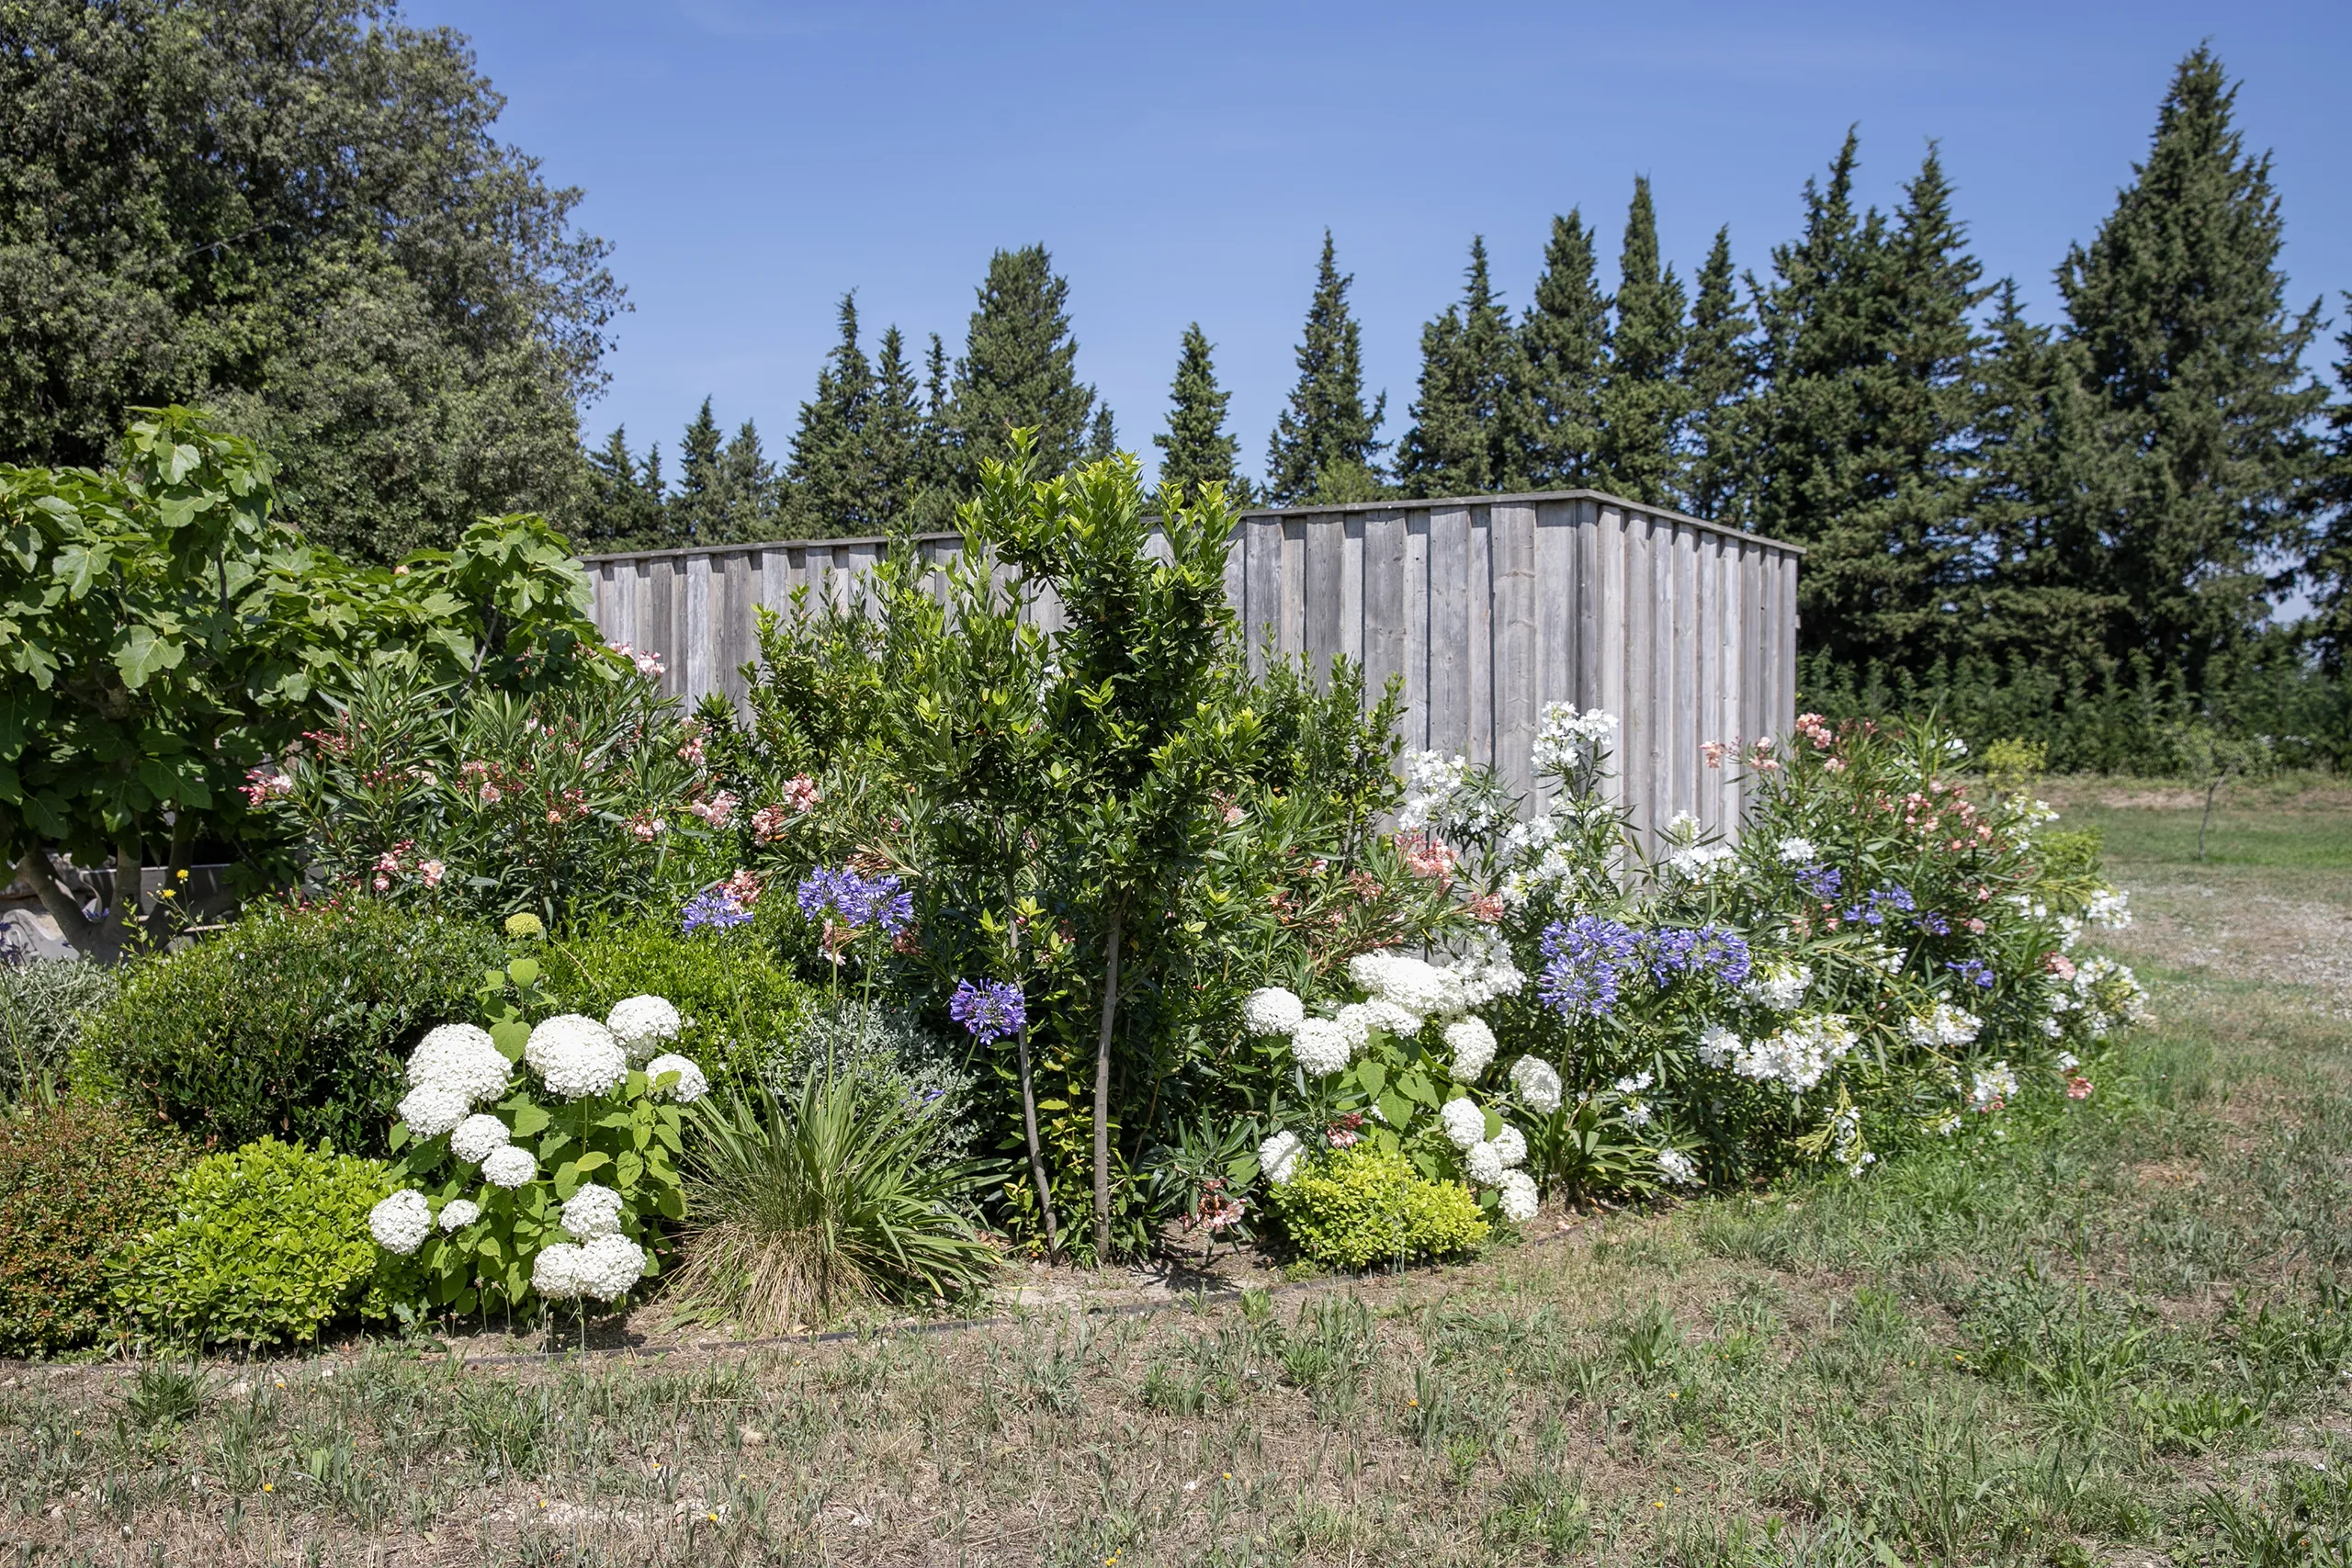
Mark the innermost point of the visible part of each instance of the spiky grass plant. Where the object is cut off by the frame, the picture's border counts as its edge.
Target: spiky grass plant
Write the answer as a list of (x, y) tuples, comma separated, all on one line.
[(808, 1205)]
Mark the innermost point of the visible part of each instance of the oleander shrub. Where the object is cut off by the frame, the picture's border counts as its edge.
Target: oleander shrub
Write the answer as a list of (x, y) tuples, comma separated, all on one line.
[(737, 1003), (1351, 1208), (291, 1024), (263, 1246), (78, 1180), (42, 1005)]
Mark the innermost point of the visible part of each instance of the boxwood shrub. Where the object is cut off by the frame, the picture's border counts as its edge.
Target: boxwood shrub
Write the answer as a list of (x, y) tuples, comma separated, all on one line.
[(1355, 1207), (293, 1022), (78, 1180), (740, 1001)]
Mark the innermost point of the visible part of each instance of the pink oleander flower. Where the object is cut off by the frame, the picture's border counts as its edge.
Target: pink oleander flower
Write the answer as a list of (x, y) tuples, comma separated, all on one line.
[(2077, 1086), (1716, 751), (431, 870), (648, 662), (717, 810), (265, 782), (2061, 965), (743, 887), (645, 827)]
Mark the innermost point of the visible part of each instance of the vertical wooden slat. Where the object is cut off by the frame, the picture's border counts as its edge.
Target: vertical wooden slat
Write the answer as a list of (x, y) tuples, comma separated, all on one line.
[(1236, 549), (1449, 633), (1262, 589), (1324, 559), (1516, 642), (1787, 715), (1383, 602), (1609, 619), (1350, 531), (1293, 624), (1478, 646), (1417, 630)]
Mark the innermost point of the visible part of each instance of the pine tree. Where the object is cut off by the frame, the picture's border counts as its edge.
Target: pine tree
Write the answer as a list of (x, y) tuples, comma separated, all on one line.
[(1325, 442), (1563, 355), (1102, 435), (1464, 437), (750, 495), (2327, 569), (1196, 450), (1641, 406), (622, 509), (1019, 370), (1718, 374), (833, 481), (897, 438), (695, 514), (2179, 307)]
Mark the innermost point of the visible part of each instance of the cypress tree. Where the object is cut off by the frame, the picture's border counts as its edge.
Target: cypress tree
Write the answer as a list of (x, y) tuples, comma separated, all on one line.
[(832, 482), (1195, 450), (1718, 374), (1563, 355), (1019, 370), (1325, 444), (1641, 405), (1463, 438), (695, 516), (2194, 364)]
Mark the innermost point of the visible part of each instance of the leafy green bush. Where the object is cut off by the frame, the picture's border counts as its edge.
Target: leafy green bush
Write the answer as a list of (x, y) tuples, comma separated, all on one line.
[(268, 1245), (291, 1022), (77, 1181), (893, 1059), (1357, 1206), (739, 1003), (42, 1008)]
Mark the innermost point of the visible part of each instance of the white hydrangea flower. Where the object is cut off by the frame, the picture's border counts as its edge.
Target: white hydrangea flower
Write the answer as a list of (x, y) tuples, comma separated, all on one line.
[(1398, 1023), (1798, 852), (1270, 1009), (1465, 1123), (592, 1212), (1519, 1196), (1718, 1046), (1412, 983), (509, 1166), (1321, 1046), (431, 1110), (1483, 1164), (642, 1024), (462, 1058), (476, 1137), (1354, 1021), (400, 1222), (690, 1084), (1511, 1144), (610, 1267), (1677, 1167), (576, 1056), (555, 1272), (1947, 1026), (1538, 1083), (1278, 1156), (457, 1213), (1487, 972), (1472, 1044)]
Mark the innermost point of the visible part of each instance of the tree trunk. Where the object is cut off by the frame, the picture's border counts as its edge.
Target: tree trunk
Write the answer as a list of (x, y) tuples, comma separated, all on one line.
[(1037, 1155), (1102, 1090), (76, 927)]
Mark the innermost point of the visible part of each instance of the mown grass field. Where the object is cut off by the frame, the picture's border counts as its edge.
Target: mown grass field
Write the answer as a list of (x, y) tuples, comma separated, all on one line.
[(2112, 1336)]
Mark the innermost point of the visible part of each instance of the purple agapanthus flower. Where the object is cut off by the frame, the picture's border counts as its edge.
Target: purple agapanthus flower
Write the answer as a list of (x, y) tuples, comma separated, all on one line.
[(990, 1010), (1974, 970), (715, 911), (1932, 923), (855, 900), (1821, 881), (1705, 951), (1587, 959)]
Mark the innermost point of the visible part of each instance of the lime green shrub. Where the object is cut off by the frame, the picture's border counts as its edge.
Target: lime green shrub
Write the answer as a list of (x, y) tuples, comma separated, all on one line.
[(268, 1245), (740, 1003), (77, 1181), (1356, 1206), (292, 1022)]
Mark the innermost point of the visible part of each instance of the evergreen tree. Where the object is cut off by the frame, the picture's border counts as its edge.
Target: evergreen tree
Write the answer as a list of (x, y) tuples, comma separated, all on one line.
[(1103, 436), (832, 481), (1642, 402), (1563, 355), (1463, 438), (1718, 374), (897, 438), (1326, 445), (750, 495), (936, 494), (622, 507), (2327, 569), (696, 515), (1019, 371), (2194, 365), (1196, 450)]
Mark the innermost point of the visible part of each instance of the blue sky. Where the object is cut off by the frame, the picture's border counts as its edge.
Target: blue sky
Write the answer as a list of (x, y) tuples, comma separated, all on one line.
[(753, 161)]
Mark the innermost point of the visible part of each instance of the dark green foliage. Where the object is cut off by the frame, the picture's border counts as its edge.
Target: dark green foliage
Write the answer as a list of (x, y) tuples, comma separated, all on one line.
[(1717, 377), (268, 1245), (42, 1008), (304, 216), (622, 509), (2328, 567), (899, 443), (1462, 439), (293, 1021), (697, 514), (1196, 450), (1643, 402), (1019, 371), (741, 1004), (1325, 444), (78, 1180), (832, 484), (1563, 355)]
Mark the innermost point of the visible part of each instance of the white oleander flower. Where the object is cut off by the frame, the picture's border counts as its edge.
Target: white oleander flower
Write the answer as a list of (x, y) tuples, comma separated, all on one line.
[(1947, 1025), (690, 1084), (642, 1024), (460, 1057), (1487, 972), (610, 1267), (457, 1213), (1483, 1164), (1270, 1009), (1472, 1044), (509, 1166), (555, 1272), (2110, 907), (1511, 1144), (1465, 1123), (593, 1210), (1993, 1088), (1677, 1167), (1718, 1046), (431, 1110), (2068, 1060), (400, 1222), (1799, 1055), (1278, 1157), (1780, 986), (1538, 1083), (1798, 852), (1566, 739), (1519, 1196), (1321, 1046), (476, 1137), (576, 1056)]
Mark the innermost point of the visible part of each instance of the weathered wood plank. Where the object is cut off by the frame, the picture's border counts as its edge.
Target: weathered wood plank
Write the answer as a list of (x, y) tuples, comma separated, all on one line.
[(1350, 532), (1417, 630), (1320, 591), (1479, 645), (1449, 630), (1384, 601), (1262, 589), (1293, 585), (1516, 640)]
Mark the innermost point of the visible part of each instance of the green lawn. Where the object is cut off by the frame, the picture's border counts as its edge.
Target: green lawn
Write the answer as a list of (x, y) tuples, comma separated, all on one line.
[(2113, 1335)]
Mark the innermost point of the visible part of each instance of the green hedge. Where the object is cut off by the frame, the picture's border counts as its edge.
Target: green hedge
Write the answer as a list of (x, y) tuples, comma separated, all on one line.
[(740, 1002), (78, 1181), (1355, 1207)]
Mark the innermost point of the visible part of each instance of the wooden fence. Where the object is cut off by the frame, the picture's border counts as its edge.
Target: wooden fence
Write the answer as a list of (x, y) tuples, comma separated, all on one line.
[(1487, 606)]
